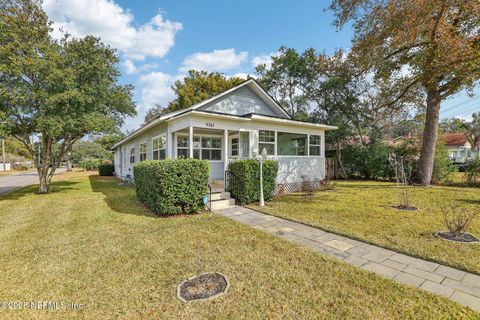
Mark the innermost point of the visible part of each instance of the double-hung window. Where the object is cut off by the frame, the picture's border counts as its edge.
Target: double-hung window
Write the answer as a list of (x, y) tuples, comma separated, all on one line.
[(315, 142), (267, 141), (132, 155), (143, 151), (205, 148), (235, 146), (159, 148), (211, 148), (183, 147)]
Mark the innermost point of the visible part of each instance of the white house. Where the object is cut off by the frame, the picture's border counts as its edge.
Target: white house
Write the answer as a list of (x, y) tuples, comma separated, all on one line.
[(459, 150), (236, 124)]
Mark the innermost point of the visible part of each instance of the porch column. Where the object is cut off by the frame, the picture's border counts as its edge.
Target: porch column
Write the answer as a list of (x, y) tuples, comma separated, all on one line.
[(190, 137), (225, 150), (170, 143)]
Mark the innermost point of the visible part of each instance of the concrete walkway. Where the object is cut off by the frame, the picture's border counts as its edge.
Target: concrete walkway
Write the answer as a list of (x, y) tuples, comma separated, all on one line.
[(12, 182), (457, 285)]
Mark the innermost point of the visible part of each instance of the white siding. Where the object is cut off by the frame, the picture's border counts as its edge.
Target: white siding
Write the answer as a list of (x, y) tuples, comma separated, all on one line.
[(290, 169), (240, 102)]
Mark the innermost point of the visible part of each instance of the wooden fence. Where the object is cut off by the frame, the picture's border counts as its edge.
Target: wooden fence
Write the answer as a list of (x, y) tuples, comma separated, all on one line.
[(331, 168)]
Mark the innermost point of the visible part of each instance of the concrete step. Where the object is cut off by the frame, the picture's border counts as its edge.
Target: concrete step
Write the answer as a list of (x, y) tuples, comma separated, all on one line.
[(221, 204), (220, 195)]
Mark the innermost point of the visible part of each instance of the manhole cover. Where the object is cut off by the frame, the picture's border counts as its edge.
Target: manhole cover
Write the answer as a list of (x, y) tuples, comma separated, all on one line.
[(203, 287)]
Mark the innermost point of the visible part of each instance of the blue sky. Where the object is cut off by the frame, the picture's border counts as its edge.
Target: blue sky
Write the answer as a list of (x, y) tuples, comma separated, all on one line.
[(159, 40)]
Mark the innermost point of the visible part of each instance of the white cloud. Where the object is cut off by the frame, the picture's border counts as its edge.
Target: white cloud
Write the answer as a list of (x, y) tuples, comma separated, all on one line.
[(264, 59), (217, 60), (156, 88), (114, 25), (130, 67)]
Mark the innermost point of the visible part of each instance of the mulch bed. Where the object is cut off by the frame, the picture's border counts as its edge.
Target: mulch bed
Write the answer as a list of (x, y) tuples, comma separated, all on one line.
[(463, 238), (203, 287)]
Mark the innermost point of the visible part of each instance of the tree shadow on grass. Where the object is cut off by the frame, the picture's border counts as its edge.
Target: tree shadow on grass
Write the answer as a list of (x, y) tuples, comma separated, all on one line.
[(119, 198), (470, 201), (55, 187)]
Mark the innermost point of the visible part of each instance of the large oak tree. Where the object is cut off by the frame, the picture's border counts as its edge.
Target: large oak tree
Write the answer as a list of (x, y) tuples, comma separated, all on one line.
[(431, 44), (57, 90)]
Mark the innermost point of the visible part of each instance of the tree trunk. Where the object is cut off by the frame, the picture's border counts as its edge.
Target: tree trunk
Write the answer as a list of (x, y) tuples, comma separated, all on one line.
[(44, 183), (427, 155)]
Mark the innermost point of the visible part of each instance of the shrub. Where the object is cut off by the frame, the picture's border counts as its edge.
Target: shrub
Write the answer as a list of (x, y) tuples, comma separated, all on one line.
[(90, 164), (472, 173), (443, 167), (106, 169), (244, 182), (457, 220), (171, 186), (367, 161)]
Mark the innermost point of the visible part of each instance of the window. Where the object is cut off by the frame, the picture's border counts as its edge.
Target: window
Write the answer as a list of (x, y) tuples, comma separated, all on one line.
[(462, 153), (205, 148), (267, 141), (183, 147), (211, 148), (234, 152), (143, 151), (245, 144), (132, 155), (158, 148), (291, 144), (315, 145)]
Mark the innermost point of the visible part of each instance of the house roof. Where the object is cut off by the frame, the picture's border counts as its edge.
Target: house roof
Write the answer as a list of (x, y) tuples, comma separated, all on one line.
[(253, 84), (454, 139)]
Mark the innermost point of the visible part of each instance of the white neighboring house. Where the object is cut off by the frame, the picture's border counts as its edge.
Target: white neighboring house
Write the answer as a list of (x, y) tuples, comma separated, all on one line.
[(459, 150), (236, 124)]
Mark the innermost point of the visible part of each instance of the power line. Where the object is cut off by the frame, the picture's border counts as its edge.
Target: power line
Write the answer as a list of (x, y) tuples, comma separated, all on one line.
[(460, 104)]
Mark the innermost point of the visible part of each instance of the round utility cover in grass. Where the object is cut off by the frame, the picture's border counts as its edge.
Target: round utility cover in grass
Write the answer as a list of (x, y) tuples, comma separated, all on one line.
[(203, 287), (463, 238)]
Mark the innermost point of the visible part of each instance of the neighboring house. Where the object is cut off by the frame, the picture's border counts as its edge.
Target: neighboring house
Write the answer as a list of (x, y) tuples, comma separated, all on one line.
[(236, 124), (459, 150)]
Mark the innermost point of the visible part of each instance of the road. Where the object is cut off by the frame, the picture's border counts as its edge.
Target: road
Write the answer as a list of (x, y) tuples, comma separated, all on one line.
[(13, 182)]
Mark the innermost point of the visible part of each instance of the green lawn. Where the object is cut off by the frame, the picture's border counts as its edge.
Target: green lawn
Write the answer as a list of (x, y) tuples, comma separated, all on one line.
[(89, 242), (360, 209)]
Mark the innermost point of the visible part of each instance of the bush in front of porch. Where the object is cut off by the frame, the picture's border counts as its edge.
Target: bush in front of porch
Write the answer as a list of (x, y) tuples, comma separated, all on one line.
[(244, 181), (172, 186)]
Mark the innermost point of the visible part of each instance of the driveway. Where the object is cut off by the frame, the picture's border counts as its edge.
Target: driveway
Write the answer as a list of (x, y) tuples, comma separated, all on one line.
[(13, 182)]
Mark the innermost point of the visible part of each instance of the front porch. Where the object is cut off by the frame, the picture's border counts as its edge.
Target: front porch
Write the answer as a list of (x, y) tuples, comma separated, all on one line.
[(218, 146)]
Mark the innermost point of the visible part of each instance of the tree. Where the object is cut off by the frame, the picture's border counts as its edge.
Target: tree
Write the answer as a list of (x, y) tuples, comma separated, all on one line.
[(198, 86), (108, 140), (429, 45), (452, 125), (57, 90), (282, 80), (473, 132), (153, 113), (84, 150)]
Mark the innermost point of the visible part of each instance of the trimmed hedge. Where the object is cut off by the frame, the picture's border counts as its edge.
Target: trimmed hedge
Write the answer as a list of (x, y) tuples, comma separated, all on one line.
[(172, 186), (106, 169), (244, 180)]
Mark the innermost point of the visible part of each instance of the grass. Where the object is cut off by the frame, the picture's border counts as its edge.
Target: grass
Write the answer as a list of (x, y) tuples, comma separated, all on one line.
[(90, 242), (360, 210)]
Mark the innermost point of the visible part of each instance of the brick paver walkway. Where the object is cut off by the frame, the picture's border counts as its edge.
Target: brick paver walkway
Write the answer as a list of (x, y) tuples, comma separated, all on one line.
[(457, 285)]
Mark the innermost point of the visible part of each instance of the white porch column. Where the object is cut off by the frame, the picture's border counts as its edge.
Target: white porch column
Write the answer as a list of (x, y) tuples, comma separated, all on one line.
[(190, 140), (169, 143), (225, 150)]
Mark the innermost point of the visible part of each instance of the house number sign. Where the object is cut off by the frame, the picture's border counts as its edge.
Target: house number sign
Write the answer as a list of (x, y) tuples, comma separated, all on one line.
[(210, 124)]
